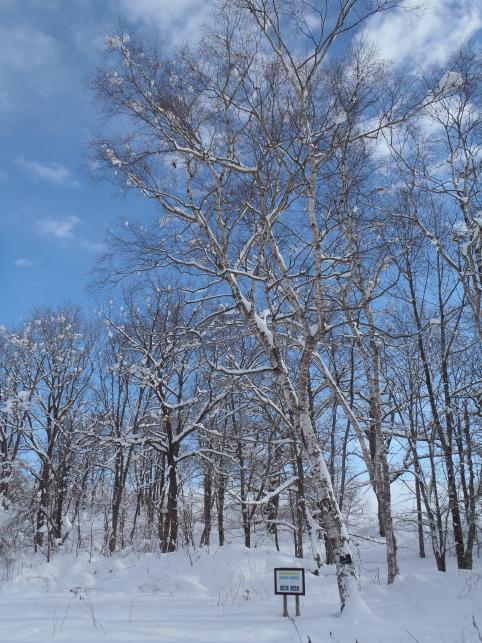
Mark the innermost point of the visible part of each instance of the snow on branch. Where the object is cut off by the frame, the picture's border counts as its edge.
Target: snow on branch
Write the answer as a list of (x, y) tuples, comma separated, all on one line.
[(269, 496)]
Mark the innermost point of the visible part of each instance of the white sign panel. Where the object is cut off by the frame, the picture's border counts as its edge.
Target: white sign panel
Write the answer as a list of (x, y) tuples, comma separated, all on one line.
[(289, 580)]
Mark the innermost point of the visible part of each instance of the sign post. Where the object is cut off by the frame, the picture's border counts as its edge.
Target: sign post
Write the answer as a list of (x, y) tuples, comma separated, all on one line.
[(289, 581)]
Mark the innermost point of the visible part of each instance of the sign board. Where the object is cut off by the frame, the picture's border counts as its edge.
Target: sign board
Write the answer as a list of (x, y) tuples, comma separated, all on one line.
[(289, 580)]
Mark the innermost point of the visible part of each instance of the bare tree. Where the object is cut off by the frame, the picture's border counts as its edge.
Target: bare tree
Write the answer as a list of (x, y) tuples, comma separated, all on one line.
[(54, 351), (163, 357), (250, 129)]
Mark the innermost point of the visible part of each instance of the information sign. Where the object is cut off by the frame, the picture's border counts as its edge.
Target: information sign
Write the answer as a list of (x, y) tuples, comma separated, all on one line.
[(289, 580)]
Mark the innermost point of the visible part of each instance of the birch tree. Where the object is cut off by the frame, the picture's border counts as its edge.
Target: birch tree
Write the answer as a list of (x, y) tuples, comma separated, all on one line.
[(232, 141)]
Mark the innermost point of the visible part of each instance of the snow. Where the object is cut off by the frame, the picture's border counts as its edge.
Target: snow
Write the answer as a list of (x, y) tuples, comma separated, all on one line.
[(117, 42), (9, 406), (450, 80), (246, 304), (263, 328), (115, 79), (136, 107), (460, 228), (272, 494), (111, 156), (67, 522), (226, 594), (113, 42)]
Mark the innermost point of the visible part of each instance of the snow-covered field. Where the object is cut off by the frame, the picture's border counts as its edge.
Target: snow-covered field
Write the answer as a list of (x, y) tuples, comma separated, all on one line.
[(226, 595)]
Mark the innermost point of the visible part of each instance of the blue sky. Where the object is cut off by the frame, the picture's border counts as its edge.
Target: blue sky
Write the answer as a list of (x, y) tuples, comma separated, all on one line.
[(53, 218)]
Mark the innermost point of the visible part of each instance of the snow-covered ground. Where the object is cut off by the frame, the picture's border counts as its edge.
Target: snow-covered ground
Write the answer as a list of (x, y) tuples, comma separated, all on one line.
[(226, 595)]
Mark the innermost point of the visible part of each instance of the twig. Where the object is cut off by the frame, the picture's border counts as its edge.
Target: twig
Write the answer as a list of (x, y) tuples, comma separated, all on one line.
[(474, 623)]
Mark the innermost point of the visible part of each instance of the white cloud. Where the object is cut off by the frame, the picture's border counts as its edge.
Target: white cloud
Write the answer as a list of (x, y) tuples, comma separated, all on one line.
[(50, 171), (92, 246), (28, 57), (26, 49), (23, 262), (428, 34), (179, 20), (61, 228), (64, 229)]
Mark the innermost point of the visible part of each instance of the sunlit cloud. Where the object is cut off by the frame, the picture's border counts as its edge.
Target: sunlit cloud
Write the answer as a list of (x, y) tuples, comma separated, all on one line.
[(27, 57), (24, 262), (26, 48), (60, 228), (428, 34), (64, 229), (52, 171), (179, 20), (92, 246)]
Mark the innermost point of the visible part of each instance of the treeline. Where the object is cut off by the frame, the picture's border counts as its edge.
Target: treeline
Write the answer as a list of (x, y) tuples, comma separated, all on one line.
[(162, 420), (301, 316)]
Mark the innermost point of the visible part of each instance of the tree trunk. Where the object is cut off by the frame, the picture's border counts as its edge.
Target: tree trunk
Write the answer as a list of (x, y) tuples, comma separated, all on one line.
[(421, 543), (117, 493), (207, 506), (171, 519)]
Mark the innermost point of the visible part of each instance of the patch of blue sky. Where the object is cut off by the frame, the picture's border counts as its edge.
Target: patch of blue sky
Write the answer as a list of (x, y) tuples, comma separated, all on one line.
[(53, 218)]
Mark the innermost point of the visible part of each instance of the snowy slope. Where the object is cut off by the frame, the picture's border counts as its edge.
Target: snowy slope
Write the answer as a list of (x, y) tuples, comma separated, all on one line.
[(226, 595)]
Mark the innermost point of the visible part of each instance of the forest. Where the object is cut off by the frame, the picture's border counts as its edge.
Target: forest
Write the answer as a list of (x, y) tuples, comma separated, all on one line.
[(294, 328)]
